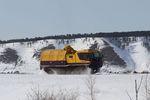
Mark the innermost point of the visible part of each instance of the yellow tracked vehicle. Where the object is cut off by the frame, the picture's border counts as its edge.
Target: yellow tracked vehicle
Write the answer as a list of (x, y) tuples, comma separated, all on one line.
[(68, 60)]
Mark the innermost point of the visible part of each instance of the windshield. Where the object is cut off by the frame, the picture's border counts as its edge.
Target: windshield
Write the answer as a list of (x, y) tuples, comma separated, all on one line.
[(85, 56), (96, 55), (89, 56)]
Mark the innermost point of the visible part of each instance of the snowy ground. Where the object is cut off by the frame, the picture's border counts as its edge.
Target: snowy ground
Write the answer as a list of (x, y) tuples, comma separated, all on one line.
[(108, 87), (135, 55)]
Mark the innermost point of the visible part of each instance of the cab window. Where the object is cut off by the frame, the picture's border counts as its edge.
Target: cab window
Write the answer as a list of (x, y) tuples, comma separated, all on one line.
[(85, 56), (96, 55)]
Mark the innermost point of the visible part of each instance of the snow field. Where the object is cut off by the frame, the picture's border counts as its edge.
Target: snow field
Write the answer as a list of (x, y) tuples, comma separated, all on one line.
[(114, 87)]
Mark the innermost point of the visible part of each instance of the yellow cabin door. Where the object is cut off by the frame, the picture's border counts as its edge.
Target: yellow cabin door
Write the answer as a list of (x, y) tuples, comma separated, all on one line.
[(71, 58)]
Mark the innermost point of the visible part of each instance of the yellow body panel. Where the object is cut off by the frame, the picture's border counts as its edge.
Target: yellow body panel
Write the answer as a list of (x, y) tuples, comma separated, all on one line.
[(53, 55)]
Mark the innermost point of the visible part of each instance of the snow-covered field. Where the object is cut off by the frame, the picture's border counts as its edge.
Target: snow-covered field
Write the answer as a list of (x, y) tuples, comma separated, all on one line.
[(135, 55), (107, 87)]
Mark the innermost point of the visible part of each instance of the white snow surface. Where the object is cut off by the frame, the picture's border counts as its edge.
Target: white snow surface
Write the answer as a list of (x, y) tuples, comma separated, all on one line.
[(107, 87)]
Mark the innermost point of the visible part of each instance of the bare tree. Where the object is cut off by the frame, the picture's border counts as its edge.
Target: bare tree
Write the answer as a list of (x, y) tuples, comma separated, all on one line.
[(90, 83), (147, 88), (129, 95), (61, 94), (137, 89), (37, 94)]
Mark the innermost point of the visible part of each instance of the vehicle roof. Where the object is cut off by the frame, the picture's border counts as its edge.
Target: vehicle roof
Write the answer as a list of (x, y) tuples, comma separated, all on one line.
[(53, 50), (62, 50), (87, 51)]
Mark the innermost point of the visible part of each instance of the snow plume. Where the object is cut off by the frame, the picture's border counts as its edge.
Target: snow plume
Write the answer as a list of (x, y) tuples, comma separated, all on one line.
[(134, 53), (141, 57)]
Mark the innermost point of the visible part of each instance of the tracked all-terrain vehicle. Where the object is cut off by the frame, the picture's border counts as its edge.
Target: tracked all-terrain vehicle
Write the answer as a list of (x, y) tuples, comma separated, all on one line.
[(68, 60)]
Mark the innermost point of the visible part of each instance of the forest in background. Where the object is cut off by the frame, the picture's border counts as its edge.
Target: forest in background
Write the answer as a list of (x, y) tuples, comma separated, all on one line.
[(84, 35)]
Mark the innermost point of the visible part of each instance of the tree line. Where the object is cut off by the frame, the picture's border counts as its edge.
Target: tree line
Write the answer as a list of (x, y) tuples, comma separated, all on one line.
[(85, 35)]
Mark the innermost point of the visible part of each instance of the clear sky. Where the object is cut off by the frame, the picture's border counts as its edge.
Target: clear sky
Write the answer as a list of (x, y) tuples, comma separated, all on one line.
[(30, 18)]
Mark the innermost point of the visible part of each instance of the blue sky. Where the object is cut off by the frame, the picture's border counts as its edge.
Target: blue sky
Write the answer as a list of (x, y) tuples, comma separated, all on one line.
[(31, 18)]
